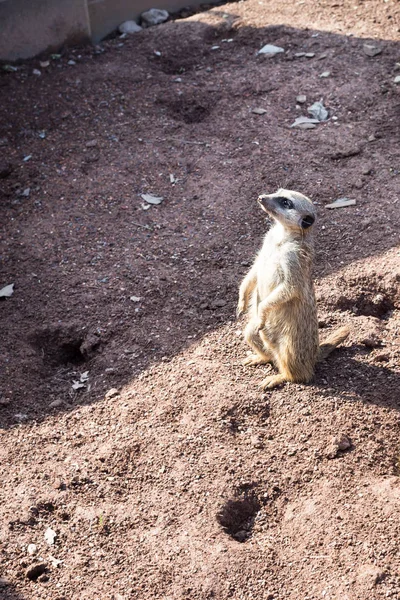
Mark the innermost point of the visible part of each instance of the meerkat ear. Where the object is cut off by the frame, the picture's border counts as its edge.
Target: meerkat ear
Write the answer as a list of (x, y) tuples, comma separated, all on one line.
[(307, 221)]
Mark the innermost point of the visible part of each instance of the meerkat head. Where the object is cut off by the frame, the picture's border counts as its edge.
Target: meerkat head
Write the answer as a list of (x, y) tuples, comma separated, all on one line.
[(291, 209)]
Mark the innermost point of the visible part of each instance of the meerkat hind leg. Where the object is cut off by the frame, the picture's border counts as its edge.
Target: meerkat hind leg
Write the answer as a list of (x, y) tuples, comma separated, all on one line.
[(261, 355)]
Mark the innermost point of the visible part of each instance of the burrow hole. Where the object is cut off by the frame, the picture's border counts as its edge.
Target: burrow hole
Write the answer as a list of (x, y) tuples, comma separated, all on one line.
[(59, 347), (237, 516)]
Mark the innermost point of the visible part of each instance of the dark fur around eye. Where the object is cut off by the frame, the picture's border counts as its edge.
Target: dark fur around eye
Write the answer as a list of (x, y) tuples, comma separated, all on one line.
[(284, 202), (307, 221)]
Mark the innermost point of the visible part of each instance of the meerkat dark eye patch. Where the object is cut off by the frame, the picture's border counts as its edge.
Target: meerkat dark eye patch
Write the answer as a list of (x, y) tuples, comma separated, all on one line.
[(284, 202), (307, 221)]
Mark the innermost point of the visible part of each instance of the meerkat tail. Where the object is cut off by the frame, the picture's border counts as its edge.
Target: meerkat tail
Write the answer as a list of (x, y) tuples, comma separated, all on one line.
[(332, 341)]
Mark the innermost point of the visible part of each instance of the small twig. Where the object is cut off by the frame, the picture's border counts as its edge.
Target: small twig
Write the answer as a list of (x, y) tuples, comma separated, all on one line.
[(140, 225)]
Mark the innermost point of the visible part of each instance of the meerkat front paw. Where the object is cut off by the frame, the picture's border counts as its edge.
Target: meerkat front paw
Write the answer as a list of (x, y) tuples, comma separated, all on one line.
[(241, 308), (272, 381), (260, 324)]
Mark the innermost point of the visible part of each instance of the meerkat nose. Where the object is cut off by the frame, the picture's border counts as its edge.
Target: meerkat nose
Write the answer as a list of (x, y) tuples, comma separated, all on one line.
[(262, 199)]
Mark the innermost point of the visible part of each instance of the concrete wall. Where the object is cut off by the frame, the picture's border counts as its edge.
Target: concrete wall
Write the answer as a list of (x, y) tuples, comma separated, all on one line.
[(29, 27)]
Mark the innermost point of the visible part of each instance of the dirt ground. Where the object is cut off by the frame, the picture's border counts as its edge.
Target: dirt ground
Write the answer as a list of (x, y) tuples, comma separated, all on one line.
[(132, 437)]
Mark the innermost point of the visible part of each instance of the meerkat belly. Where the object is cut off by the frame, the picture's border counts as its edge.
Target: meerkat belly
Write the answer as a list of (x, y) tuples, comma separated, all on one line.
[(269, 276)]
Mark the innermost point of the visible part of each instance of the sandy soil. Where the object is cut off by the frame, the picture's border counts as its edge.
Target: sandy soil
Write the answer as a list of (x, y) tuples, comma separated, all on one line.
[(168, 473)]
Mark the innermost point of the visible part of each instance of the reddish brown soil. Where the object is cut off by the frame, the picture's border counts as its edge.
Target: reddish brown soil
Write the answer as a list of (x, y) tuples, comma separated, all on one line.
[(188, 482)]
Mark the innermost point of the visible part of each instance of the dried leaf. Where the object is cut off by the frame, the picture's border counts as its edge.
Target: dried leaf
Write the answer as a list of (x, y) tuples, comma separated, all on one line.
[(150, 199), (7, 291), (341, 202), (270, 50), (77, 385), (305, 123)]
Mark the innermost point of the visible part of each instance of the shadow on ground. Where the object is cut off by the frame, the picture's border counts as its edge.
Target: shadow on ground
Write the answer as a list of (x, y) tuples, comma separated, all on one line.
[(106, 283)]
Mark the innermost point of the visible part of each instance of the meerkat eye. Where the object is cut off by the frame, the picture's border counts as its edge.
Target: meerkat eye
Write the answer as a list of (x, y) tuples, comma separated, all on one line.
[(285, 203), (307, 221)]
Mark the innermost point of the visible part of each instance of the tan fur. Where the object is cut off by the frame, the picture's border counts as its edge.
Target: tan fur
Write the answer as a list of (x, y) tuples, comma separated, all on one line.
[(278, 293)]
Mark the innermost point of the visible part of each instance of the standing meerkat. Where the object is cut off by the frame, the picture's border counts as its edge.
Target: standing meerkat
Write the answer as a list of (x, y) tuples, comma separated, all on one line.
[(278, 292)]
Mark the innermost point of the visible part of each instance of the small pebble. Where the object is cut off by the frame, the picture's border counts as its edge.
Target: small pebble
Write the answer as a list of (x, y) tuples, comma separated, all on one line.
[(218, 303), (56, 403), (50, 536), (256, 442), (32, 549), (112, 393)]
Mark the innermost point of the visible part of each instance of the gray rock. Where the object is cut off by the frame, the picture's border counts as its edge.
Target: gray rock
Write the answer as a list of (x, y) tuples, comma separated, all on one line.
[(301, 99), (154, 16), (371, 50), (129, 27), (318, 111)]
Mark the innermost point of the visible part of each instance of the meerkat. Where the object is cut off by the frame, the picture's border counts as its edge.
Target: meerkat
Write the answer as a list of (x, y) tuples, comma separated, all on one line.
[(278, 293)]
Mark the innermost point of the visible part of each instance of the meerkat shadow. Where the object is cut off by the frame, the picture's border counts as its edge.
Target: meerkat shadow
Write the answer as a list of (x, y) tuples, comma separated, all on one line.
[(347, 372)]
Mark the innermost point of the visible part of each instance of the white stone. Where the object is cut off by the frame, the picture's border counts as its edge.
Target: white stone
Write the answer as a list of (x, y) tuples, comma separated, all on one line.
[(129, 27), (154, 16)]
